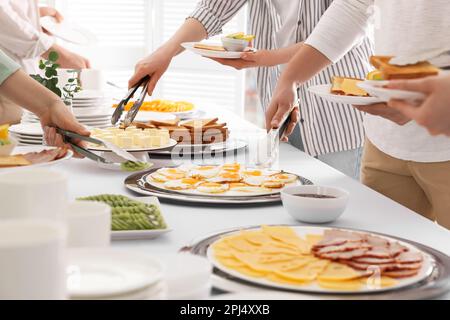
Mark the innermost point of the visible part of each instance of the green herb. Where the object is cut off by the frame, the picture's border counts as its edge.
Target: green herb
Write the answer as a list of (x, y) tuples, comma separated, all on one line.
[(50, 78), (4, 142), (129, 214), (132, 166)]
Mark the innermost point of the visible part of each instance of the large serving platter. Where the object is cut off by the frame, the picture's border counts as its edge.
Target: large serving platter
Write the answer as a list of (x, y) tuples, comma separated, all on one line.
[(138, 183), (435, 284), (302, 231), (37, 148)]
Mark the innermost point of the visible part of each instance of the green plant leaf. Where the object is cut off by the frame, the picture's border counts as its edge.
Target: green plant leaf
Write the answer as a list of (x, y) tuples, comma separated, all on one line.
[(49, 73), (71, 80), (41, 65), (58, 92), (53, 56)]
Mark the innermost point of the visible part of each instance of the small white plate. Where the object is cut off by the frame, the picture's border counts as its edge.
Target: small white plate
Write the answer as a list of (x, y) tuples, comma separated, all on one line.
[(35, 148), (376, 89), (211, 53), (29, 129), (324, 91), (141, 234), (68, 31), (101, 273)]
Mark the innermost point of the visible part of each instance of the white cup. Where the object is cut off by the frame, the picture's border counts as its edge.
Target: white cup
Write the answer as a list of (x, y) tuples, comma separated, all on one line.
[(92, 79), (89, 224), (32, 260), (37, 193)]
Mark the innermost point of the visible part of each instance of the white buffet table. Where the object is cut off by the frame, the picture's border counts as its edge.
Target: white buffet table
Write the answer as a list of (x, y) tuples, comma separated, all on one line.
[(367, 209)]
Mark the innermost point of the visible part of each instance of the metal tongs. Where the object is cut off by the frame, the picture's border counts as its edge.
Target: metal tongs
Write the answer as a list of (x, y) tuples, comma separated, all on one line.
[(129, 118), (68, 137)]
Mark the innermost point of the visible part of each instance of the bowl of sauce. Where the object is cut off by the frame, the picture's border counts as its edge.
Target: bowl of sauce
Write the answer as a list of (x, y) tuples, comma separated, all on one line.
[(314, 204)]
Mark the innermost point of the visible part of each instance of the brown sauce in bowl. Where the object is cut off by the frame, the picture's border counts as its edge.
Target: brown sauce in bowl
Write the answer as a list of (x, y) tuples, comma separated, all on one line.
[(314, 196)]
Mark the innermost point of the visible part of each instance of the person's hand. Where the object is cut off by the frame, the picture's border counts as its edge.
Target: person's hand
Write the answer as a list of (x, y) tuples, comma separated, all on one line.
[(283, 102), (383, 110), (154, 66), (255, 59), (51, 12), (58, 115), (434, 112), (68, 59)]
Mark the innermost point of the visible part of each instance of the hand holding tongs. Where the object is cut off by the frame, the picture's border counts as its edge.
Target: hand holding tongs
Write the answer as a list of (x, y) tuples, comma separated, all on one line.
[(68, 136), (129, 118)]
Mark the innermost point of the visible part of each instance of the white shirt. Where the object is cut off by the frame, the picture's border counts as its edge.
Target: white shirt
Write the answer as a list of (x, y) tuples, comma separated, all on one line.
[(287, 10), (402, 27), (21, 36)]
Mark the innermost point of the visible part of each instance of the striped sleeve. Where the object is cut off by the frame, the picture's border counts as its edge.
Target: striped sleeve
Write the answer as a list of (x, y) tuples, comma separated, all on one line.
[(214, 14), (342, 26)]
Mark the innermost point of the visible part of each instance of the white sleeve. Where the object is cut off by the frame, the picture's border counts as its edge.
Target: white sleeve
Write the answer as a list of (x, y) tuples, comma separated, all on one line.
[(20, 36), (341, 27)]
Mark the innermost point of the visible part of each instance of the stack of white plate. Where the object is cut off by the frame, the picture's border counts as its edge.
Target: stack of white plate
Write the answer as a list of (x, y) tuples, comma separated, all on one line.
[(27, 134), (91, 108), (111, 274)]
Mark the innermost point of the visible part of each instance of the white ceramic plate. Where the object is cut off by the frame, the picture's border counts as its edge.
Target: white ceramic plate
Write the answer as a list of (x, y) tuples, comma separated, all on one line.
[(169, 145), (302, 231), (29, 129), (99, 273), (35, 148), (375, 88), (210, 53), (324, 91), (68, 31), (145, 116), (141, 234), (93, 111)]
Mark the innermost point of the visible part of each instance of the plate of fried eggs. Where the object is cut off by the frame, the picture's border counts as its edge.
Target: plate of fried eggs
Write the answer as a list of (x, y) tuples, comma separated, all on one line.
[(227, 180)]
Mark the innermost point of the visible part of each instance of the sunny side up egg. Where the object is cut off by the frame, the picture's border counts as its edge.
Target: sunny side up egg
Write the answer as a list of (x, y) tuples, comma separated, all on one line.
[(212, 187), (204, 172)]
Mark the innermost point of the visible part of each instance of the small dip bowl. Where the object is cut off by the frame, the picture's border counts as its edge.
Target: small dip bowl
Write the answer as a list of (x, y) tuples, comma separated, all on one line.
[(314, 204), (235, 45)]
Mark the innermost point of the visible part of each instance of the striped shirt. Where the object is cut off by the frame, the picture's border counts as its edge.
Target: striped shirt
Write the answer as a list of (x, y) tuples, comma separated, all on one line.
[(325, 127)]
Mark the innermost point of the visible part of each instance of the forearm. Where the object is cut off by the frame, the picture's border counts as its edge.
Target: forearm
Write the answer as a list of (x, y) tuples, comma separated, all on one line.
[(24, 91), (284, 55), (306, 63), (191, 31)]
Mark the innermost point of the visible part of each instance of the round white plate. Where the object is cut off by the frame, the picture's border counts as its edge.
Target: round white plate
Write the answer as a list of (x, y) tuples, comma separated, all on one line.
[(87, 95), (145, 116), (324, 91), (375, 88), (171, 144), (93, 111), (37, 148), (68, 31), (29, 129), (302, 231), (210, 53), (97, 273)]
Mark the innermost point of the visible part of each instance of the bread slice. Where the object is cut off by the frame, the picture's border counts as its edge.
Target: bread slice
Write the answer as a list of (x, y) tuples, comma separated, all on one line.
[(393, 72), (198, 123), (168, 123), (14, 161), (347, 87), (209, 47)]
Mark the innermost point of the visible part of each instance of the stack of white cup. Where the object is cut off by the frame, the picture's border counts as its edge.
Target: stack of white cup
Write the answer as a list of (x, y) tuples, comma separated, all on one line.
[(37, 224)]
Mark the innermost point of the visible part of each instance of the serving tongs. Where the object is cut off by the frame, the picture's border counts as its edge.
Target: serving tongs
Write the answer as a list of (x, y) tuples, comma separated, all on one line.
[(68, 137), (131, 114)]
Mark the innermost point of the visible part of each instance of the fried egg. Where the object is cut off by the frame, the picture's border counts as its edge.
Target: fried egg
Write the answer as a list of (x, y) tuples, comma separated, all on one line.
[(177, 185), (284, 177), (249, 189), (156, 177), (273, 184), (227, 176), (233, 167), (204, 172), (172, 173), (212, 187), (255, 180), (252, 173)]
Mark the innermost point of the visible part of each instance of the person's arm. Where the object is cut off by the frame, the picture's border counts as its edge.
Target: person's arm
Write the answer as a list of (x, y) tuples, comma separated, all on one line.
[(206, 21), (339, 29), (434, 112), (45, 104)]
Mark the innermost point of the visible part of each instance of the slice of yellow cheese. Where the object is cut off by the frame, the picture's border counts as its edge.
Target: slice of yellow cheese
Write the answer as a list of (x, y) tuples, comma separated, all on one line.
[(308, 272), (338, 272), (350, 285)]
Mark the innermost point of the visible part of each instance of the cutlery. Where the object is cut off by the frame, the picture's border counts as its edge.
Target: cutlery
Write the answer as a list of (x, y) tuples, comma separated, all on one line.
[(134, 110)]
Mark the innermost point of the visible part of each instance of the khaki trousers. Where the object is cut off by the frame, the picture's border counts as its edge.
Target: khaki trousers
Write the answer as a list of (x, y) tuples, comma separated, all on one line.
[(10, 113), (421, 187)]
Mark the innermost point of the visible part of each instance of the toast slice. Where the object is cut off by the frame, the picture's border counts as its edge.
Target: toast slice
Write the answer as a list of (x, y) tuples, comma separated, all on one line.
[(209, 47), (347, 87), (14, 161), (199, 123), (393, 72)]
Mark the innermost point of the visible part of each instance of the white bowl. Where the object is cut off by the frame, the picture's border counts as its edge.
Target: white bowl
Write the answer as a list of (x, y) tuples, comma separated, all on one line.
[(314, 210), (235, 45), (6, 150)]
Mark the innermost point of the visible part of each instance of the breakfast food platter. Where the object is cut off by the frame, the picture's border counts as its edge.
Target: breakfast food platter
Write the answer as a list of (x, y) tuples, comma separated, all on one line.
[(430, 281), (189, 184), (26, 157)]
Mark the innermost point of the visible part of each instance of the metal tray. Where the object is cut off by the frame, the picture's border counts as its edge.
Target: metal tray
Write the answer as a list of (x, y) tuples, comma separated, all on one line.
[(437, 284), (137, 183)]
